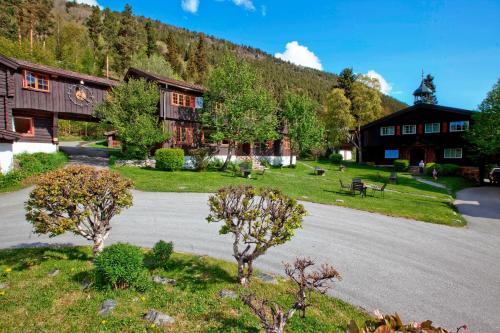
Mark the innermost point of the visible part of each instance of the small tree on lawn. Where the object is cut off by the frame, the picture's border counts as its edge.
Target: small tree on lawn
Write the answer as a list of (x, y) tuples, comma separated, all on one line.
[(319, 280), (305, 131), (258, 220), (79, 199), (132, 109), (238, 109)]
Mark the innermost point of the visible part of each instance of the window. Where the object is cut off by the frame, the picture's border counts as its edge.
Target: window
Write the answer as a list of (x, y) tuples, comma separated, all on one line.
[(24, 126), (409, 129), (388, 130), (432, 128), (459, 126), (183, 100), (453, 153), (36, 81), (394, 153)]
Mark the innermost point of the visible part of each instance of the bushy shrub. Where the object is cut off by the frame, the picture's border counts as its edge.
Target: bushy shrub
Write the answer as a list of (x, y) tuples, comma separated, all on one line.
[(161, 253), (169, 159), (442, 169), (247, 164), (401, 165), (265, 162), (201, 158), (233, 167), (215, 164), (121, 266), (336, 158)]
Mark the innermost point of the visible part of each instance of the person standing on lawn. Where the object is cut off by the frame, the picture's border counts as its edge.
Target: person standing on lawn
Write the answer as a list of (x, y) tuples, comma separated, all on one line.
[(435, 174), (421, 166)]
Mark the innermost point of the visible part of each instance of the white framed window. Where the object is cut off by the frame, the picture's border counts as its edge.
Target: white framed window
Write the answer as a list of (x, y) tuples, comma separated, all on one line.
[(459, 126), (409, 129), (453, 153), (387, 130), (391, 153), (432, 128)]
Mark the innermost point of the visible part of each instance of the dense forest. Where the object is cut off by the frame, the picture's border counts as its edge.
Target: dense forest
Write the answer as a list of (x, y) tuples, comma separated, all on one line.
[(105, 43)]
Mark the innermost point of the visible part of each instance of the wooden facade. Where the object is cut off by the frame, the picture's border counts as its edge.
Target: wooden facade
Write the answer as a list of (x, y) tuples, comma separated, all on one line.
[(183, 121), (35, 97), (427, 132)]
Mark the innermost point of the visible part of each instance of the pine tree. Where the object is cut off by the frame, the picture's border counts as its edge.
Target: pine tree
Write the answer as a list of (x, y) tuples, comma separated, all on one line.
[(94, 26), (201, 61), (126, 42), (429, 82), (191, 69), (345, 81), (173, 52), (150, 38)]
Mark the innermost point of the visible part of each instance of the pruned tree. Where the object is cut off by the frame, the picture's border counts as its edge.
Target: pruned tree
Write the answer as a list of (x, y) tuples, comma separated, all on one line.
[(272, 317), (79, 199), (258, 220), (337, 118), (320, 280)]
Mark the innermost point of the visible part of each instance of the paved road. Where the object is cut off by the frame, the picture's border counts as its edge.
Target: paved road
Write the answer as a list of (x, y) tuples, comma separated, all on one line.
[(421, 270)]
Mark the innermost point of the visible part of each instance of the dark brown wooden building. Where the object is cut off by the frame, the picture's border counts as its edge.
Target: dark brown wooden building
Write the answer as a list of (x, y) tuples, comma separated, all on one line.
[(34, 97), (180, 103), (424, 131)]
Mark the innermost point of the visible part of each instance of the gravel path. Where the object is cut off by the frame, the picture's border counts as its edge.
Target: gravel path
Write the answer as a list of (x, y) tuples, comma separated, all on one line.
[(422, 270)]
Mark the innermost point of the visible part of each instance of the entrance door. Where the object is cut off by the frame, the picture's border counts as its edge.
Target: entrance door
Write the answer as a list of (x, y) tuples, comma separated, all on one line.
[(417, 155), (247, 149)]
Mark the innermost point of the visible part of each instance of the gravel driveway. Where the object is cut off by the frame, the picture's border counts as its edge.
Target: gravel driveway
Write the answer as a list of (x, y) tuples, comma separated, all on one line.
[(421, 270)]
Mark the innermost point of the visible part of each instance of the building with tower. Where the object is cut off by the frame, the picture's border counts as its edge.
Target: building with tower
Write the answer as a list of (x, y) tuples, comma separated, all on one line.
[(422, 132)]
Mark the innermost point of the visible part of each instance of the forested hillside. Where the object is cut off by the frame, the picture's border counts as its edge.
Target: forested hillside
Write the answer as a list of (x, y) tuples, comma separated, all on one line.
[(106, 43)]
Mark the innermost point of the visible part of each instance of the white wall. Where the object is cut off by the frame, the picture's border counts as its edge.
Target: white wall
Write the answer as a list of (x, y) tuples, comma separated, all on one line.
[(347, 154), (33, 147), (6, 157)]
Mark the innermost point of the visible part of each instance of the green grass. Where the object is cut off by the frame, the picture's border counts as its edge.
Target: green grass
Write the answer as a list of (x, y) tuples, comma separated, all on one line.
[(454, 183), (101, 144), (409, 198), (38, 303)]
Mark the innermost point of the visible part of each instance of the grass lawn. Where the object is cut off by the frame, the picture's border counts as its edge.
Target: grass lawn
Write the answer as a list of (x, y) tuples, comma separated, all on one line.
[(454, 183), (38, 303), (409, 198)]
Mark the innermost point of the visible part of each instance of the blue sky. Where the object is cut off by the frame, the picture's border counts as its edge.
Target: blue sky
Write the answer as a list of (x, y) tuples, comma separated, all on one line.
[(456, 41)]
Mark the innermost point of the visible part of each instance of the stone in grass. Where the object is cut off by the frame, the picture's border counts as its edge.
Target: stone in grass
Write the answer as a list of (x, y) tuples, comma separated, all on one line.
[(86, 283), (164, 280), (226, 293), (107, 306), (158, 318), (268, 278), (53, 272), (339, 201), (4, 285)]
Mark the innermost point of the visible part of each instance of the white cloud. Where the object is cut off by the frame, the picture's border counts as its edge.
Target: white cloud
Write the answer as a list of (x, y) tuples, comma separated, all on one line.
[(300, 55), (190, 5), (247, 4), (263, 10), (88, 2), (385, 87)]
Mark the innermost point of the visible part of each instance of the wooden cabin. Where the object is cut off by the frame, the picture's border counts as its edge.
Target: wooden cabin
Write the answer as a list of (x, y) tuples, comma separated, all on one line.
[(422, 132), (179, 110), (34, 97)]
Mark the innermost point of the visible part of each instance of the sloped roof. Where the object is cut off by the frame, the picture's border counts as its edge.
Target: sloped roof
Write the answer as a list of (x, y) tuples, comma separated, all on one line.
[(164, 80), (416, 107), (422, 89), (9, 135), (17, 63)]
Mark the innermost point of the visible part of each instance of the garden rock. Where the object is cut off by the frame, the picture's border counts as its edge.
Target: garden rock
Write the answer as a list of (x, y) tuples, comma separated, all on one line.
[(158, 318), (226, 293), (136, 163), (86, 283), (4, 285), (267, 278), (164, 280), (53, 272), (339, 201), (107, 306)]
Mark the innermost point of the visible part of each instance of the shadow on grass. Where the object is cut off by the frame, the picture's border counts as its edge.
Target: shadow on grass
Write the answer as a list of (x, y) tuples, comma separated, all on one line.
[(24, 256), (229, 324)]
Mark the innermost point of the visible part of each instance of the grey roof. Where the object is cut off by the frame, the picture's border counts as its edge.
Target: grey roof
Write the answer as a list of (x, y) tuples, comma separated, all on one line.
[(164, 80), (422, 90)]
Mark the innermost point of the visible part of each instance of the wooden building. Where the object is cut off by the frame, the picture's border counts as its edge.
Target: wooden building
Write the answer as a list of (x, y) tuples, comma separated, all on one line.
[(179, 110), (34, 97), (422, 132)]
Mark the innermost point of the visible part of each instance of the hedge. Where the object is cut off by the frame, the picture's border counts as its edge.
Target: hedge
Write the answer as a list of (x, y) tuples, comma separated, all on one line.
[(442, 169), (169, 159), (401, 165), (336, 158)]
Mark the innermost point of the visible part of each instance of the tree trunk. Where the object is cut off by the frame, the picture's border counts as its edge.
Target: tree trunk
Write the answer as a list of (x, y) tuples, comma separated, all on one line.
[(31, 36), (241, 272), (107, 66), (98, 244), (228, 157)]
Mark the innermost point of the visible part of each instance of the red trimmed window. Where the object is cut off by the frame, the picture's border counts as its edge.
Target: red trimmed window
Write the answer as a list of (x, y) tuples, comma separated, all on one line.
[(183, 100), (36, 81), (24, 126)]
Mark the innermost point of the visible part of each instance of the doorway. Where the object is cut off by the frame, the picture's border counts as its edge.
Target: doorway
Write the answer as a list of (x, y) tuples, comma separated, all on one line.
[(417, 155)]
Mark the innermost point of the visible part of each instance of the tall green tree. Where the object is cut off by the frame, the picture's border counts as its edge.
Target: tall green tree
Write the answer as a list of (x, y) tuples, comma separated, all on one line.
[(95, 26), (132, 110), (201, 61), (484, 134), (238, 108), (150, 38), (429, 82), (173, 54), (126, 42), (337, 118), (345, 81), (305, 131), (191, 70)]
